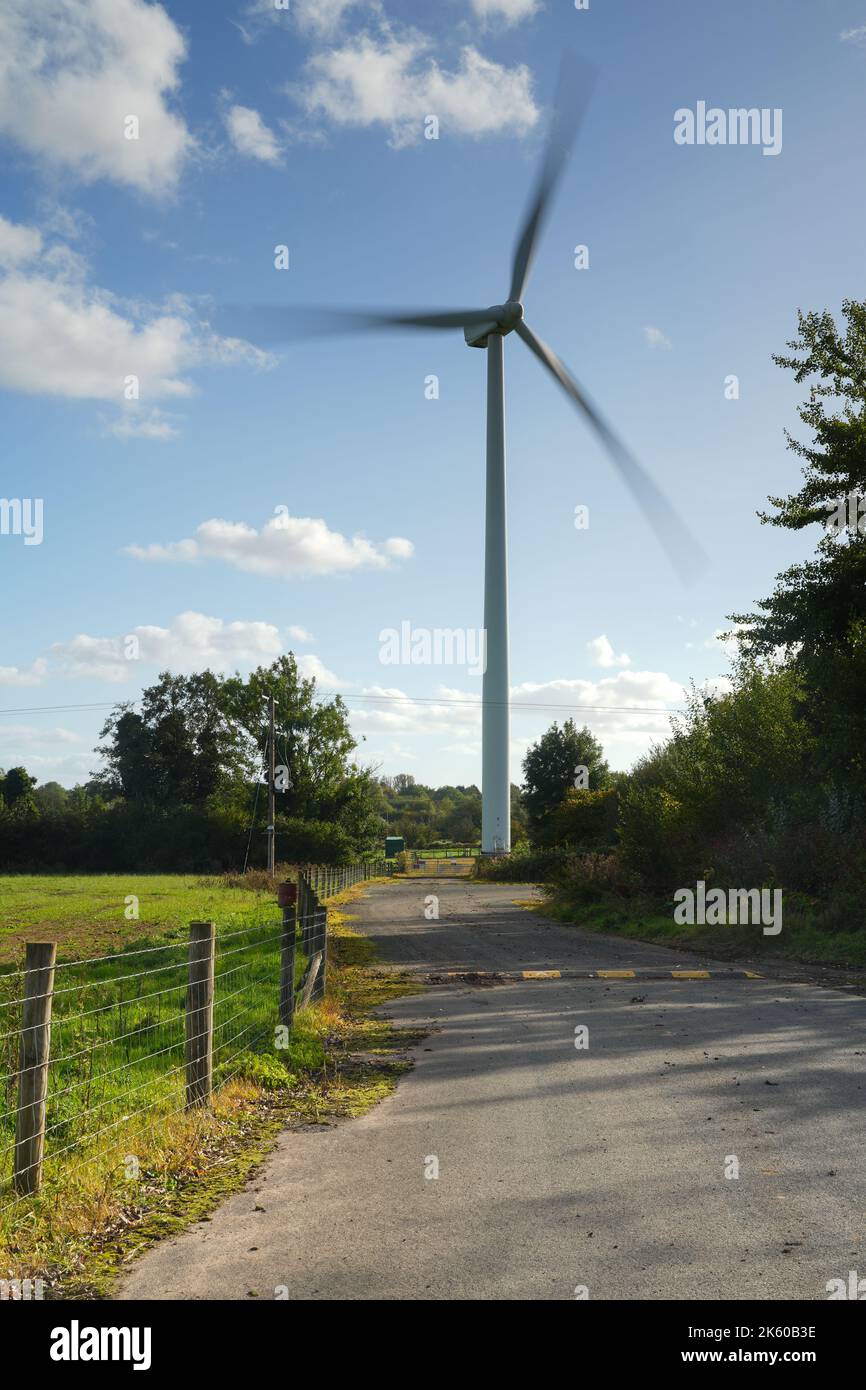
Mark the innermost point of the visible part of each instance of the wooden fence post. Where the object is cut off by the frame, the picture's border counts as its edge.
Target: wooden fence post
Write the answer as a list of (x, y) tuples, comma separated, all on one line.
[(199, 1015), (304, 896), (287, 957), (323, 972), (33, 1056)]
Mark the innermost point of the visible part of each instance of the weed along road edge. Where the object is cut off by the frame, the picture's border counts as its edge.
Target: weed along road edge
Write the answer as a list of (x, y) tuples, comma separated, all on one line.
[(689, 1132)]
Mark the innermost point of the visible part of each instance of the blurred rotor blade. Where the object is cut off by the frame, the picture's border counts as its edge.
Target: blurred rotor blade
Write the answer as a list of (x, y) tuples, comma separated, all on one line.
[(683, 550), (576, 81), (283, 323)]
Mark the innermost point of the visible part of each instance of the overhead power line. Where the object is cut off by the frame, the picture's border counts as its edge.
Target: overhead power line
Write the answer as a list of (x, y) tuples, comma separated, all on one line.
[(66, 709), (470, 703)]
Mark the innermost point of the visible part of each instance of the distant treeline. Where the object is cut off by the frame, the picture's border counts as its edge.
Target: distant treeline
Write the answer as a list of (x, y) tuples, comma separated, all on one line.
[(124, 838), (427, 816), (180, 787)]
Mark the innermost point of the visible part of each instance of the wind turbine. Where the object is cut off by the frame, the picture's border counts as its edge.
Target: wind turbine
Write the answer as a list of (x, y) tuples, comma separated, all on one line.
[(488, 328)]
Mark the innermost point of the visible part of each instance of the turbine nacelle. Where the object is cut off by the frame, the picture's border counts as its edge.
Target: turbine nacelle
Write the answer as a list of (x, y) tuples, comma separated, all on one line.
[(504, 318)]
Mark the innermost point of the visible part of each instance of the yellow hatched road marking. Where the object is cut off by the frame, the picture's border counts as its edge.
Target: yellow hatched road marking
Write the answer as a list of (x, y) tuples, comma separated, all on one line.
[(690, 974), (541, 974), (615, 974)]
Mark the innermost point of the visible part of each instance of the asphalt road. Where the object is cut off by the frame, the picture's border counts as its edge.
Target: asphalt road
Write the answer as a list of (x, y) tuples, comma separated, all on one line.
[(600, 1168)]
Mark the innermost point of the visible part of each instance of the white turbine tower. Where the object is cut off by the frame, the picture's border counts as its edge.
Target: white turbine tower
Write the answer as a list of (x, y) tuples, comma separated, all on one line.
[(488, 328)]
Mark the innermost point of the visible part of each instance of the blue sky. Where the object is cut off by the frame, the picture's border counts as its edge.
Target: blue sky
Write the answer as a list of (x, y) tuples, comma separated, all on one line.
[(305, 128)]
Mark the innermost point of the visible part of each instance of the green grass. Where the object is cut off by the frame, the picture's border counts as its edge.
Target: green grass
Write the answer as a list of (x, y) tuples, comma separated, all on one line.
[(117, 1067), (118, 1026), (87, 913), (805, 935)]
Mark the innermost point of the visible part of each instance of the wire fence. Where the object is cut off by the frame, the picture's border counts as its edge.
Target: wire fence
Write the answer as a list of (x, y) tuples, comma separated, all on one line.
[(90, 1047)]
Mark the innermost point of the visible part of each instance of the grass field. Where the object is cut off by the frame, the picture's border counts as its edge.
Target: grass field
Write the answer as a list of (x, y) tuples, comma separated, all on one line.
[(124, 1164), (92, 914), (118, 1015)]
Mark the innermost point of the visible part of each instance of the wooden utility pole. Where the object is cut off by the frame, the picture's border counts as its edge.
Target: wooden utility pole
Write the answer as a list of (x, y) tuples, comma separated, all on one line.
[(272, 776)]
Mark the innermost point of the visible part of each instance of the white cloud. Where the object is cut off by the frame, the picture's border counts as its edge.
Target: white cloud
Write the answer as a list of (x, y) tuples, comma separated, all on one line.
[(152, 424), (857, 35), (250, 136), (320, 18), (602, 653), (191, 642), (286, 547), (512, 11), (723, 639), (73, 71), (313, 668), (717, 686), (70, 224), (18, 243), (15, 736), (60, 336), (627, 698), (396, 83), (46, 752), (323, 17), (398, 548), (34, 674), (655, 337), (388, 709), (629, 708)]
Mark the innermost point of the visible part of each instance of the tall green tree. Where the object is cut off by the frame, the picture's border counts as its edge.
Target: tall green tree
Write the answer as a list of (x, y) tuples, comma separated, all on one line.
[(180, 750), (313, 738), (816, 615), (551, 768)]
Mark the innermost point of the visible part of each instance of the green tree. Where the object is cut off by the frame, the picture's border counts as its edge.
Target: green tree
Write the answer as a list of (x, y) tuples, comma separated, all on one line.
[(816, 616), (313, 739), (16, 790), (551, 767), (586, 819), (519, 821), (51, 796), (180, 750)]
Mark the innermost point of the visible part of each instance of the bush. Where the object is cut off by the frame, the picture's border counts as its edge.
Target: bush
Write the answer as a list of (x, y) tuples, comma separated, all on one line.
[(523, 865), (655, 843), (586, 818), (125, 837)]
